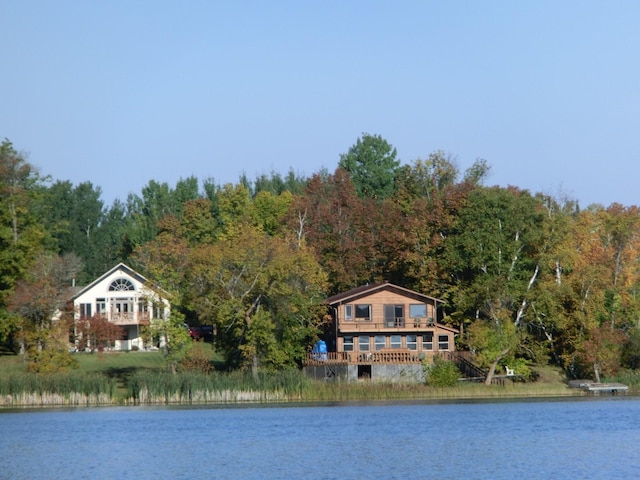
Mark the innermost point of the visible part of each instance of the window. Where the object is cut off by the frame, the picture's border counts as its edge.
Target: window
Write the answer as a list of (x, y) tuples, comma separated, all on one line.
[(394, 316), (418, 310), (412, 342), (121, 284), (347, 344), (101, 306), (158, 310), (381, 342), (363, 312), (348, 312), (427, 341), (443, 342), (122, 307), (85, 310), (396, 341), (364, 343)]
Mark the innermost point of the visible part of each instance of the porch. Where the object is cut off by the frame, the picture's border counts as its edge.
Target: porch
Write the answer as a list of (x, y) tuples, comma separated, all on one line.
[(366, 358), (390, 356), (130, 318), (397, 324)]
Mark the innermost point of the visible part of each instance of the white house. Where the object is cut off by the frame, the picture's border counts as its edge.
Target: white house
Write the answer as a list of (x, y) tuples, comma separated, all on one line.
[(125, 298)]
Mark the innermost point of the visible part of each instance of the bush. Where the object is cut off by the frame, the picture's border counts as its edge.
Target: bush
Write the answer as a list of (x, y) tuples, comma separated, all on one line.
[(51, 361), (197, 358), (442, 373)]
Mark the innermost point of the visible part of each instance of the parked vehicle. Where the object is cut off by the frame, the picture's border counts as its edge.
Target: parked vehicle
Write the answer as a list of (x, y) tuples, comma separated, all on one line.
[(202, 332)]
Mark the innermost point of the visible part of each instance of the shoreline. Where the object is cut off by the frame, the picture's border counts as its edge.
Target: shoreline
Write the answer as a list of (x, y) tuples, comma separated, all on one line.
[(262, 398)]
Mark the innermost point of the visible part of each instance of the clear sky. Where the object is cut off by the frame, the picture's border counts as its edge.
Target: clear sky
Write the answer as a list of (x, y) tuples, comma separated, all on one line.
[(122, 92)]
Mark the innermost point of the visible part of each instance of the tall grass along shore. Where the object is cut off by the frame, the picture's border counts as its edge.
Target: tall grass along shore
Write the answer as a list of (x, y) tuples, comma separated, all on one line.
[(141, 379)]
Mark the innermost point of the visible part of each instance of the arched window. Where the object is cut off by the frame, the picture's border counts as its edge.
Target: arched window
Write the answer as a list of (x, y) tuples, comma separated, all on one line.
[(120, 285)]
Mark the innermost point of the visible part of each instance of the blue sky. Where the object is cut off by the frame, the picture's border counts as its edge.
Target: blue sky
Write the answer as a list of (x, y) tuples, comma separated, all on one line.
[(122, 92)]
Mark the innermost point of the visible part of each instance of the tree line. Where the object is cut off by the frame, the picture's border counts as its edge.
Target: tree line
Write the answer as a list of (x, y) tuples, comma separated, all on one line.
[(526, 277)]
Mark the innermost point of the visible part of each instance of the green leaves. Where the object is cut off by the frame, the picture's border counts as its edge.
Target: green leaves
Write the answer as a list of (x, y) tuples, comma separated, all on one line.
[(372, 164)]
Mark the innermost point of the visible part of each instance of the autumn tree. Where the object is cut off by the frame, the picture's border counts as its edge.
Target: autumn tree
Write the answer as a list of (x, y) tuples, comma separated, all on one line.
[(97, 333), (264, 295), (595, 278), (430, 196), (335, 223), (40, 301)]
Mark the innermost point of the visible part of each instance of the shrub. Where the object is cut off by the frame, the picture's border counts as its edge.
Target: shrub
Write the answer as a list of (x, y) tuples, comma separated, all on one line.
[(51, 361), (197, 358), (442, 373)]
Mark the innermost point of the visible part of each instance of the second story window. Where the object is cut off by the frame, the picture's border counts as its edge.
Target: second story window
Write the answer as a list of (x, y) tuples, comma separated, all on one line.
[(418, 310), (120, 285), (363, 313), (348, 312), (394, 316)]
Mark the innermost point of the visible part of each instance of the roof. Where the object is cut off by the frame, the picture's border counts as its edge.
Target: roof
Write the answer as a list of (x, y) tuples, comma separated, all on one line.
[(367, 290), (121, 266)]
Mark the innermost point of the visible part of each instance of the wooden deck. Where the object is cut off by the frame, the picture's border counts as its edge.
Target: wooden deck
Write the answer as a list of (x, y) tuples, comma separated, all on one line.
[(365, 358), (400, 324), (593, 388)]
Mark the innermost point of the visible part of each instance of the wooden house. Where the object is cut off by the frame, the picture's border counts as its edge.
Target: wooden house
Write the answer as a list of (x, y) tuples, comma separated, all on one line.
[(124, 298), (380, 330)]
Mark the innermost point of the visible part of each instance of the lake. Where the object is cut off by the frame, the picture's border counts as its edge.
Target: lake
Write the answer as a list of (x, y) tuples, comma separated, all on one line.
[(585, 438)]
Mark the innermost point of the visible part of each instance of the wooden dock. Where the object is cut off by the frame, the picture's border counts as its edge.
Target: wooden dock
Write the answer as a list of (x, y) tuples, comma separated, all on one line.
[(594, 388)]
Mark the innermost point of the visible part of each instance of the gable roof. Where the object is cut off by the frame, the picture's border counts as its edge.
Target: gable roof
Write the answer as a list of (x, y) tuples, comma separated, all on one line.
[(121, 266), (366, 290)]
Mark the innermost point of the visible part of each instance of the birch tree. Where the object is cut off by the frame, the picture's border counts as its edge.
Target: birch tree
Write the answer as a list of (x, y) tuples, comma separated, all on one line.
[(494, 258)]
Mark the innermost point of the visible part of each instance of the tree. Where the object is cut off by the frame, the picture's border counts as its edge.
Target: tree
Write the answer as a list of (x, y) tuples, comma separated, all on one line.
[(630, 355), (495, 258), (372, 165), (174, 337), (158, 200), (21, 232), (73, 216), (40, 301), (336, 224), (264, 295), (97, 333), (602, 350)]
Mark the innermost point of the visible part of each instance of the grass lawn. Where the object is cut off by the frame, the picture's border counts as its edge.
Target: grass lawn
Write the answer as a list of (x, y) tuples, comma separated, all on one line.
[(114, 364)]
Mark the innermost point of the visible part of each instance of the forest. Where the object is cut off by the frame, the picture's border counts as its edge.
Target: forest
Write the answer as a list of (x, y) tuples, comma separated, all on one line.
[(526, 278)]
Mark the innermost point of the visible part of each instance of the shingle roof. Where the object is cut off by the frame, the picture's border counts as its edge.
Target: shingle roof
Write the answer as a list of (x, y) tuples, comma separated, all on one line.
[(365, 290)]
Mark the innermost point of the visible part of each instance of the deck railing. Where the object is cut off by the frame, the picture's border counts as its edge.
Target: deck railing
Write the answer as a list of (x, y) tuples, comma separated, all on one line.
[(387, 357), (126, 318), (390, 324), (130, 318)]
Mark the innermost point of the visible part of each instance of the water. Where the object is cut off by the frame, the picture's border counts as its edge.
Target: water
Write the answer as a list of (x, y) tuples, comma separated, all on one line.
[(596, 438)]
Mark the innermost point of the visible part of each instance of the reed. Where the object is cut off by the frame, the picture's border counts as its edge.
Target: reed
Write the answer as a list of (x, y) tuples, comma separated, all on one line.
[(141, 379), (217, 387), (56, 389), (631, 378)]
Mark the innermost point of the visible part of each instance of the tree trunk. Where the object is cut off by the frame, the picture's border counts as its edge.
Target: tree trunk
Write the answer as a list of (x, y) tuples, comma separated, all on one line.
[(596, 372), (254, 366), (494, 364)]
